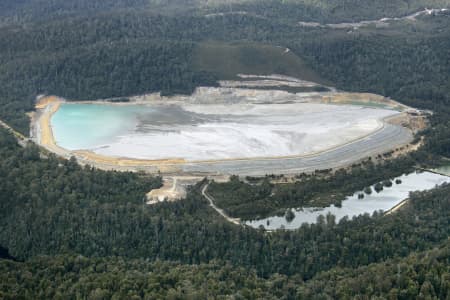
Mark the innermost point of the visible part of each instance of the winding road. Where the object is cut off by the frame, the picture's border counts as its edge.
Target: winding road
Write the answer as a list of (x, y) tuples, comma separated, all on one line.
[(218, 210)]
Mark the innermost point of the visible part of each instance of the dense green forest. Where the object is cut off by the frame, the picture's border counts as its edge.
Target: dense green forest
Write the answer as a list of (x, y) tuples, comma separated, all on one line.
[(4, 253), (78, 232), (425, 275)]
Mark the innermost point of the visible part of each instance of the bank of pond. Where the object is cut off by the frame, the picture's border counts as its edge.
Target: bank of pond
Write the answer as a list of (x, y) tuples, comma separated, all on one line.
[(381, 196), (444, 170)]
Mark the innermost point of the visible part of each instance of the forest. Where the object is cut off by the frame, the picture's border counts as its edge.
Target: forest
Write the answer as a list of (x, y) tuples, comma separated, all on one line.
[(71, 232), (332, 11), (424, 275)]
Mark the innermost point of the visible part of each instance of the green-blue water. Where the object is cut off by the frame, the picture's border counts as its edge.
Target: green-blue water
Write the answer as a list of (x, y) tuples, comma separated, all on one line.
[(83, 126)]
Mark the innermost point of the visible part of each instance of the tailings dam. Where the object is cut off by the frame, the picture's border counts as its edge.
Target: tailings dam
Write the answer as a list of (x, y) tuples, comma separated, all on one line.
[(223, 131)]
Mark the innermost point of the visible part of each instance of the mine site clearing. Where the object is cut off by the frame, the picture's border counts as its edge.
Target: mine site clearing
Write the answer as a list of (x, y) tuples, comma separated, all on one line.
[(254, 126)]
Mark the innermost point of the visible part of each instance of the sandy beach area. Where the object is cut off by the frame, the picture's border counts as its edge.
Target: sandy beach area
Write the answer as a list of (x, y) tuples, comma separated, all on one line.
[(48, 106)]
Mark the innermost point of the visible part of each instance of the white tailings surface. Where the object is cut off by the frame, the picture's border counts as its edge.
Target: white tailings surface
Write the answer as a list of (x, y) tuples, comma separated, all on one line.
[(246, 131)]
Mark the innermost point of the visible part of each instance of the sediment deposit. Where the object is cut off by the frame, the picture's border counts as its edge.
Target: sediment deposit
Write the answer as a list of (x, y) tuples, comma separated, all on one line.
[(242, 131)]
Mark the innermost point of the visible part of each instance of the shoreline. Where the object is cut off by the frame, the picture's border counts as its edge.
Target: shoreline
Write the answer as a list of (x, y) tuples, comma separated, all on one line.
[(48, 106), (43, 127), (396, 207)]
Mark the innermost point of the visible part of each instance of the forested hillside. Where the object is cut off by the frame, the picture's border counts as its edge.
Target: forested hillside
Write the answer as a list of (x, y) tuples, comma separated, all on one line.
[(425, 275), (4, 254), (81, 232), (293, 10)]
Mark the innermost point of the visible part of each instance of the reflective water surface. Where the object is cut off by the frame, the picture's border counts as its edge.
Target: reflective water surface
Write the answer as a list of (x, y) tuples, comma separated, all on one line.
[(352, 206)]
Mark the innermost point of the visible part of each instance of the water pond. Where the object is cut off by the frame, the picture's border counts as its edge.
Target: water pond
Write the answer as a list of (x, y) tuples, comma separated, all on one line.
[(353, 206)]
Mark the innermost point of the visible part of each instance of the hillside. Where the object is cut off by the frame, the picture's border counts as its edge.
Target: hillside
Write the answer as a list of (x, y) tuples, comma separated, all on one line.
[(334, 11), (225, 60), (424, 274)]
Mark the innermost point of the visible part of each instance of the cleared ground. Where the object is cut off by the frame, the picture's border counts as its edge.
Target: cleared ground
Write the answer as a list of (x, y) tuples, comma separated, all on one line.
[(225, 60)]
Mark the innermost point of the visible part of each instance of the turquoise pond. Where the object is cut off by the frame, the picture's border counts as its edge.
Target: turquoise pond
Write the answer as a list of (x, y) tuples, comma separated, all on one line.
[(81, 126)]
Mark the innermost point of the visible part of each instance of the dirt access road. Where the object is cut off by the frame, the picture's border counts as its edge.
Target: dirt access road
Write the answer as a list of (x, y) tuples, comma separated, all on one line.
[(21, 139), (218, 210)]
